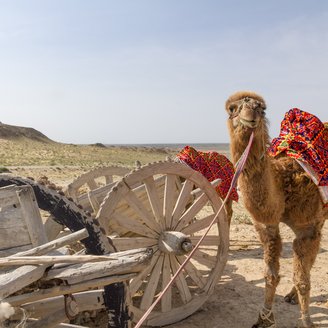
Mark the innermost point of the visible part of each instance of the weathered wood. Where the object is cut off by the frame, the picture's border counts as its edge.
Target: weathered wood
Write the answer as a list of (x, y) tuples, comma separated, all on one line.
[(14, 250), (76, 273), (67, 213), (182, 201), (55, 244), (150, 290), (192, 211), (19, 278), (51, 260), (166, 303), (126, 243), (87, 301), (169, 198), (32, 216), (156, 203), (180, 281), (52, 228), (43, 294)]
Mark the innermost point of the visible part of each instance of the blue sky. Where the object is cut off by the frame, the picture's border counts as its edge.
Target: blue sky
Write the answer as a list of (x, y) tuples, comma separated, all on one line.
[(157, 71)]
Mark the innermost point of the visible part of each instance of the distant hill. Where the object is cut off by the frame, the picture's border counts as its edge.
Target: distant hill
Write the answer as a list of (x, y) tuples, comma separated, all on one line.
[(12, 132)]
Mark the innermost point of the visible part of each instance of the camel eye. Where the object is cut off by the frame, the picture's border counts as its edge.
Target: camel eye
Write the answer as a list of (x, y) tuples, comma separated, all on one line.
[(232, 108)]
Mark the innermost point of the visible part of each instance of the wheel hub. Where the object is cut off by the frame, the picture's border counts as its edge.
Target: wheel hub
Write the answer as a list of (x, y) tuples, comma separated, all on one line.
[(174, 242)]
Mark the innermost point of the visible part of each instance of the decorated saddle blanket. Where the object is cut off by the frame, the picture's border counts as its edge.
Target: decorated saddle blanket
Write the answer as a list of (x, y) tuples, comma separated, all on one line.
[(213, 166), (304, 137)]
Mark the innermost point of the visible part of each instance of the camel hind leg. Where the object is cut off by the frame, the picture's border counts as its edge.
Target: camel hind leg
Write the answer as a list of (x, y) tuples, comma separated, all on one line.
[(306, 246), (270, 238)]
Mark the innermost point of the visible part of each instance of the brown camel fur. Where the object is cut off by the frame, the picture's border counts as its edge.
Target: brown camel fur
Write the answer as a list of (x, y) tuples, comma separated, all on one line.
[(276, 190)]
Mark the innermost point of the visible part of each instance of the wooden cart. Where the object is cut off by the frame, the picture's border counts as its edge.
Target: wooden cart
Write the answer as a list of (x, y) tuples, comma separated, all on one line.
[(163, 208)]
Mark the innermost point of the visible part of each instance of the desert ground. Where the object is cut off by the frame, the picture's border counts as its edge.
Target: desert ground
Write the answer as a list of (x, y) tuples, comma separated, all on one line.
[(238, 296)]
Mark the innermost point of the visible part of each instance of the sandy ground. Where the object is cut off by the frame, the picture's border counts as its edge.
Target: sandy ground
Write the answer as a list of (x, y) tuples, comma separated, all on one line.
[(238, 297)]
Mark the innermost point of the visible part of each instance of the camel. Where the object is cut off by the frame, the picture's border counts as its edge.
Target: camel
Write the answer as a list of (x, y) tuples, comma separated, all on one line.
[(276, 190)]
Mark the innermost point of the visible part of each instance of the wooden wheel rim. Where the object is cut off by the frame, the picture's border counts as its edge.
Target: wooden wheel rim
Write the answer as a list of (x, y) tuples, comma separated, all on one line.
[(154, 210)]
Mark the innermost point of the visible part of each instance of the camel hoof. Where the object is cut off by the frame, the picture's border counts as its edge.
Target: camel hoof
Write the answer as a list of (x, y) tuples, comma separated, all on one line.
[(265, 320), (291, 298)]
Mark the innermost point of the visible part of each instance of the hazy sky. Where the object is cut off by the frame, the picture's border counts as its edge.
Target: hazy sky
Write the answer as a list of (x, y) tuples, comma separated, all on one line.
[(157, 71)]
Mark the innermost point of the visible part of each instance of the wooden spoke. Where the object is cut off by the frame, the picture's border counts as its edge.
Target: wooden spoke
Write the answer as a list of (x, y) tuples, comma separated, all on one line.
[(92, 184), (198, 225), (182, 201), (192, 271), (180, 281), (140, 209), (126, 243), (137, 282), (207, 241), (108, 179), (205, 259), (150, 290), (166, 303), (169, 198), (155, 202), (134, 225), (197, 192), (191, 212)]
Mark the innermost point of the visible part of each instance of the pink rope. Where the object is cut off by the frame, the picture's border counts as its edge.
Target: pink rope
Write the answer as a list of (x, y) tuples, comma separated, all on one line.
[(240, 166)]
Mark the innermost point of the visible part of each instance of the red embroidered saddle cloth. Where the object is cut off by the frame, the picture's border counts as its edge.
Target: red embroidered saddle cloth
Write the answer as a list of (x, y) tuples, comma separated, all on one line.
[(304, 137), (213, 166)]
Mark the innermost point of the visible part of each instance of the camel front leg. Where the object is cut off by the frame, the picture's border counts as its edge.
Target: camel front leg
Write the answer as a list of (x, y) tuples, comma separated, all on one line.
[(270, 238), (306, 247)]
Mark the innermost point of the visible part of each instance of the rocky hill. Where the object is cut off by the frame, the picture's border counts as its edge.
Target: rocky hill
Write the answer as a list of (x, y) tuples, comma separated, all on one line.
[(12, 132)]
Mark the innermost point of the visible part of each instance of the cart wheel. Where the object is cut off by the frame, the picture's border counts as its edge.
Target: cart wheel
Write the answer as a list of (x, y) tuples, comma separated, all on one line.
[(168, 211), (89, 189)]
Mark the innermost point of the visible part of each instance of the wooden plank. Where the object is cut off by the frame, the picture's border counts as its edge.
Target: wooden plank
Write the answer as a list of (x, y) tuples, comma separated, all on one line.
[(51, 260), (191, 212), (150, 290), (19, 278), (43, 294), (55, 244), (32, 216), (14, 236), (52, 228), (14, 250), (182, 201), (76, 273), (87, 301)]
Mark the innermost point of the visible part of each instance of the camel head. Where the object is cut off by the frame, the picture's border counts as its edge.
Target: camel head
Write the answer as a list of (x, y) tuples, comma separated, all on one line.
[(246, 110)]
